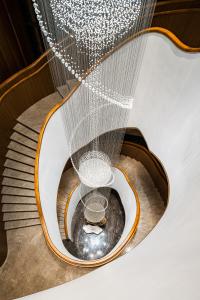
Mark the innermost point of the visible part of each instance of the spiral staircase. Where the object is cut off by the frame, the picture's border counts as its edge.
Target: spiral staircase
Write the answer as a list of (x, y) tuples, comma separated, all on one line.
[(163, 263), (18, 197)]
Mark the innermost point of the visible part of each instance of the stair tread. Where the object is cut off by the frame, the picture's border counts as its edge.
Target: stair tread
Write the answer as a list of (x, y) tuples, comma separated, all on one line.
[(11, 216), (18, 199), (63, 193), (17, 183), (35, 115), (22, 149), (26, 131), (21, 223), (18, 207), (23, 140), (20, 157), (18, 166), (17, 175), (6, 190)]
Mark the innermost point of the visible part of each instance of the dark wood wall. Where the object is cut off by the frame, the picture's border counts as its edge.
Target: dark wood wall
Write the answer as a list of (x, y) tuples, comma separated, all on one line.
[(182, 17), (20, 38), (21, 42)]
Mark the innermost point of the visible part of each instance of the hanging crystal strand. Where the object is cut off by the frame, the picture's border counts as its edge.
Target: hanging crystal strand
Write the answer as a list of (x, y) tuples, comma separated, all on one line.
[(80, 33)]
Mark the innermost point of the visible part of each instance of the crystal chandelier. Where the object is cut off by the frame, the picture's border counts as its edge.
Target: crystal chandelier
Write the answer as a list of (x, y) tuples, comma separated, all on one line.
[(95, 23), (95, 27), (80, 34)]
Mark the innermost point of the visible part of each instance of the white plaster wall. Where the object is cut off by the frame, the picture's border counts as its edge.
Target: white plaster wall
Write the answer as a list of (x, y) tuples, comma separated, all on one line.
[(55, 147), (166, 264)]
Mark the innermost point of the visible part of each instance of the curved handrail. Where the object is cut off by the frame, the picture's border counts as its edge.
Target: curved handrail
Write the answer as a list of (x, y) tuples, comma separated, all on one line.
[(163, 31), (29, 68), (39, 60), (22, 72)]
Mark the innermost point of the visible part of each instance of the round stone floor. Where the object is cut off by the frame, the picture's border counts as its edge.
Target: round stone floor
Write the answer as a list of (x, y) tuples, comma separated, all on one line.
[(89, 246)]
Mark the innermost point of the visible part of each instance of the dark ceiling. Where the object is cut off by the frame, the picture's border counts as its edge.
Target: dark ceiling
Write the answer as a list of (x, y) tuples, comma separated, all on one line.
[(21, 41)]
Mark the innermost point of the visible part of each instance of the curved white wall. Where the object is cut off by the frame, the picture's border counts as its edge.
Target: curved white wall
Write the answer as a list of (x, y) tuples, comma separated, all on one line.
[(166, 264), (55, 146)]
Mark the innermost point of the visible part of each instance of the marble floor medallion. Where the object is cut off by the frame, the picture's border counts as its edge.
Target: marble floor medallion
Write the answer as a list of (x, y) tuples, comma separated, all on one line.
[(89, 245)]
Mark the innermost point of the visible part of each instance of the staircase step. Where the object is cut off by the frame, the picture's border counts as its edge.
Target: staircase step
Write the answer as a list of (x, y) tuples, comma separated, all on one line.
[(21, 223), (63, 235), (26, 132), (6, 190), (61, 204), (18, 183), (35, 115), (61, 209), (22, 149), (10, 216), (23, 140), (18, 166), (61, 226), (18, 199), (18, 207), (17, 175), (20, 158)]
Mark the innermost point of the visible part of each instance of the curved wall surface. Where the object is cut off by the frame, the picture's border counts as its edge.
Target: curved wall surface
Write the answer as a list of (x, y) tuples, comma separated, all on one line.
[(166, 264)]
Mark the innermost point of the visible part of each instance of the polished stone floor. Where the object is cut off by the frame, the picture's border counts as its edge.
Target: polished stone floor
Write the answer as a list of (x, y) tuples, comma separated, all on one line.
[(152, 205), (31, 266), (90, 246)]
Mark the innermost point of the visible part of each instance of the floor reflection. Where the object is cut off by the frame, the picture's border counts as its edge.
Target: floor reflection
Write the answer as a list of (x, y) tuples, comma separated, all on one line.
[(89, 246)]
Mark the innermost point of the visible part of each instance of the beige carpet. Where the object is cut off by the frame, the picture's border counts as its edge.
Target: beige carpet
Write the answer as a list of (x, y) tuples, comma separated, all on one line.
[(30, 265)]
